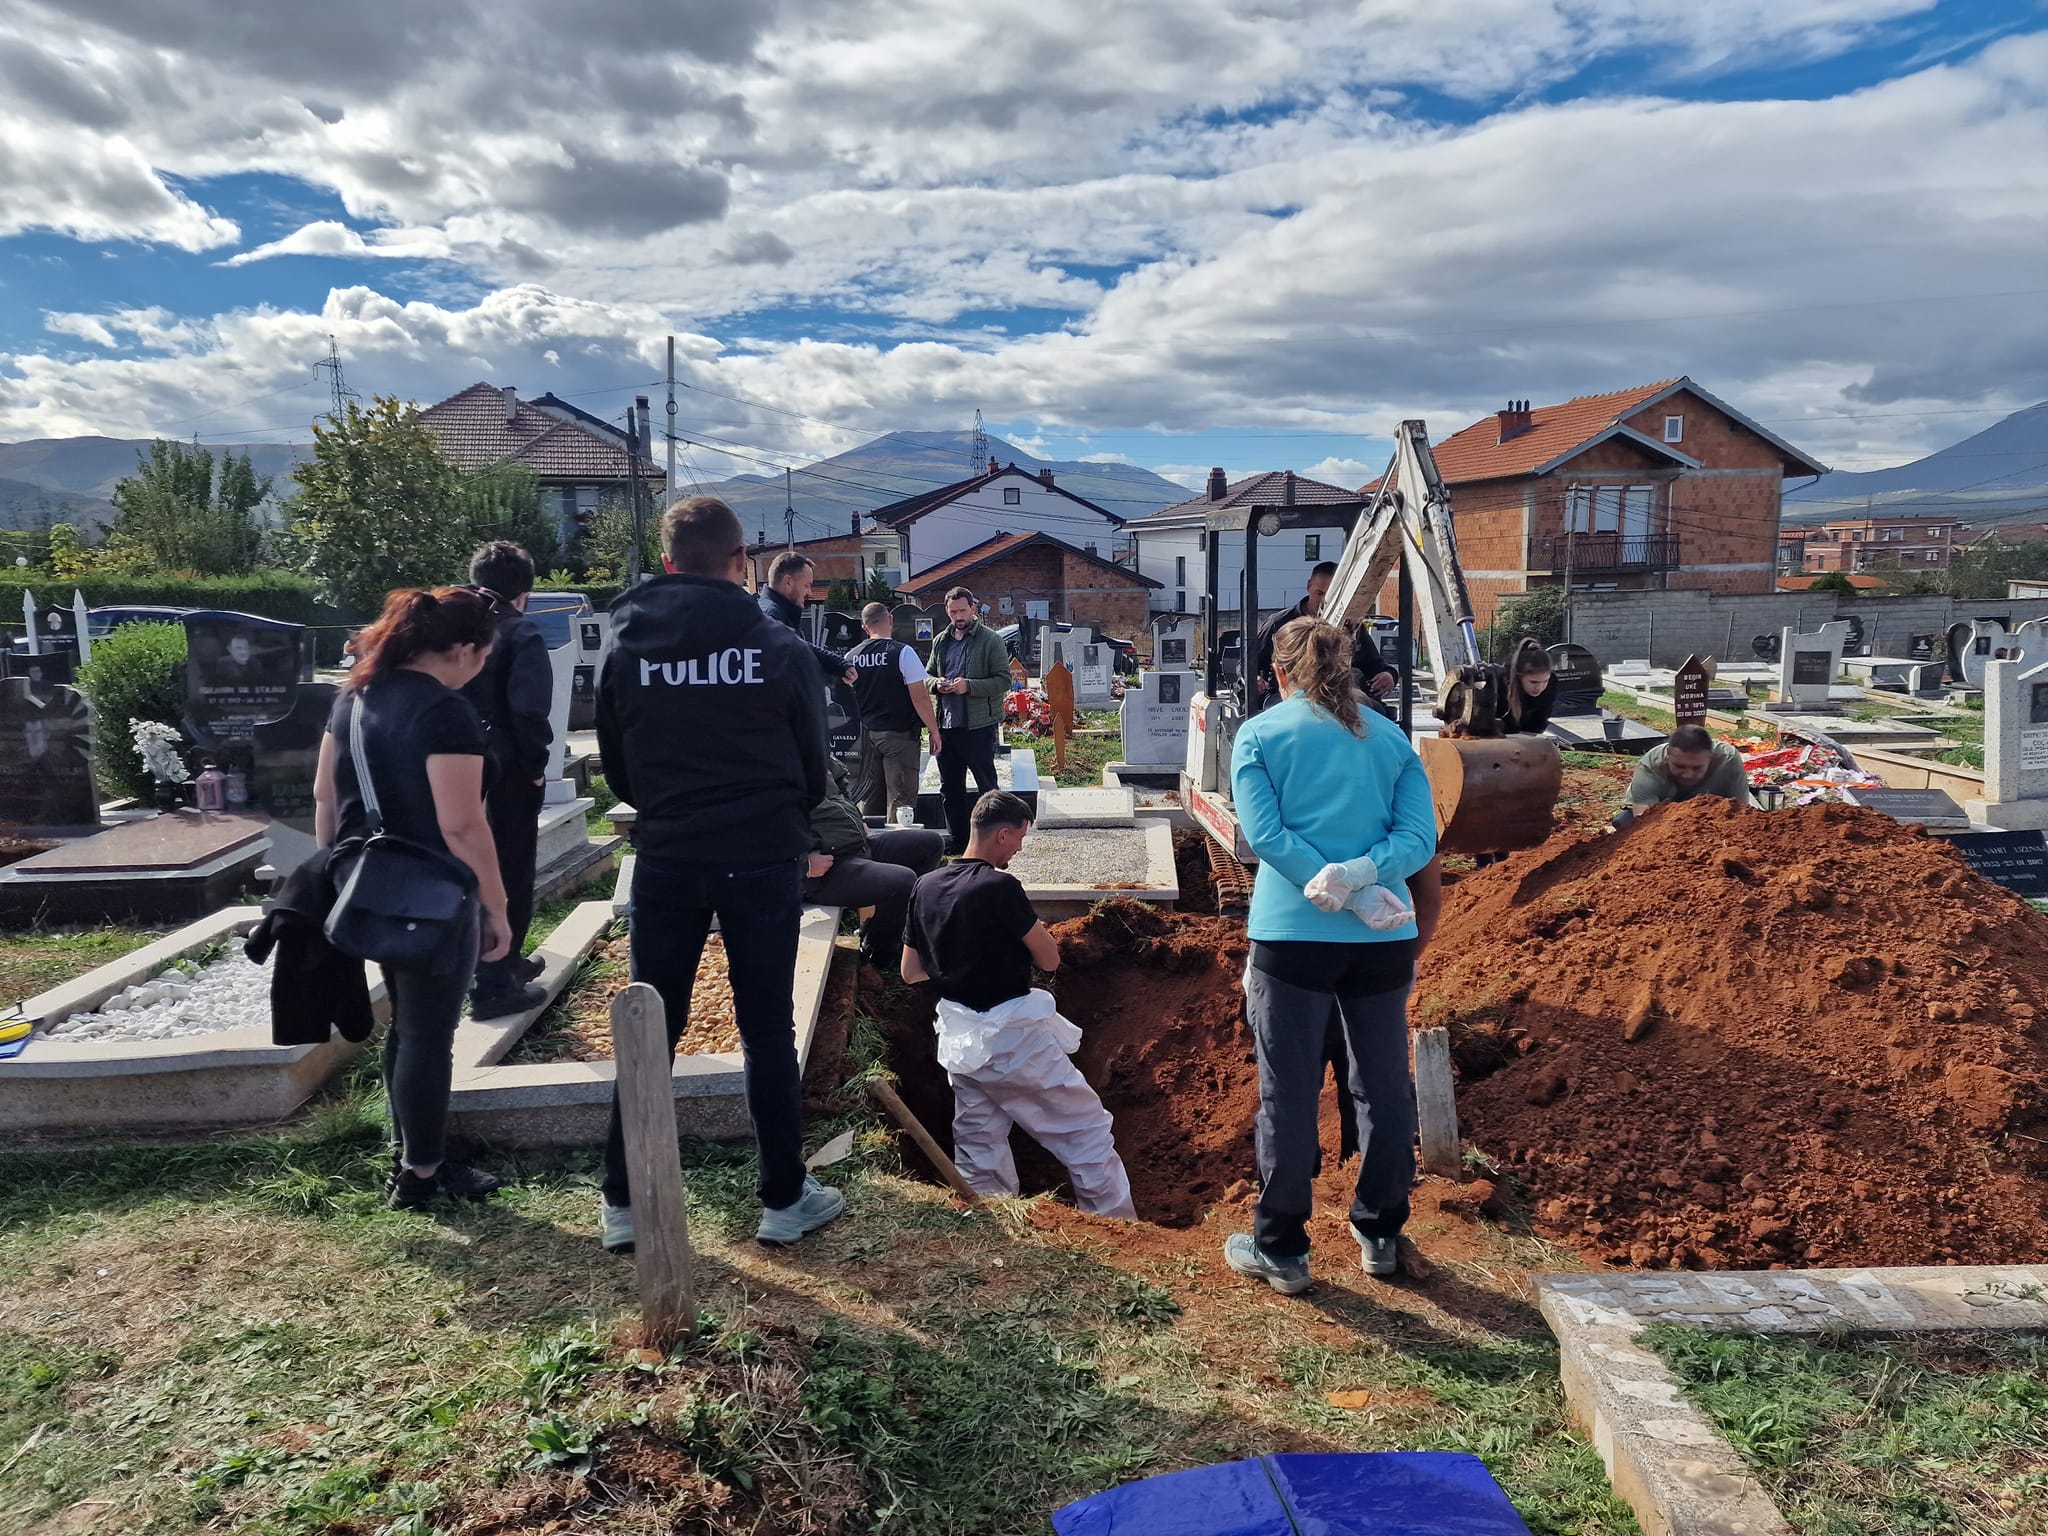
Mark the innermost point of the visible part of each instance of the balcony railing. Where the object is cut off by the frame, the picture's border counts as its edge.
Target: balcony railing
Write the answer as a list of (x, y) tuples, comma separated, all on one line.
[(1604, 552)]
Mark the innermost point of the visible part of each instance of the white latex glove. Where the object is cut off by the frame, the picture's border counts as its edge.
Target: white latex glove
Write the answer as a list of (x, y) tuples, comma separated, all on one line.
[(1332, 887), (1381, 909)]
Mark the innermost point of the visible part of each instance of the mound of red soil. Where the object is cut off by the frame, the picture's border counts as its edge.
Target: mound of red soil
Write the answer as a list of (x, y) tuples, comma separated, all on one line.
[(1729, 1038), (1163, 1041)]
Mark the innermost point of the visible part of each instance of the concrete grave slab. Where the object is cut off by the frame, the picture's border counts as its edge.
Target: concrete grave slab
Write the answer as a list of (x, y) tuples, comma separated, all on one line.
[(174, 868), (1664, 1458), (235, 1077), (554, 1104), (1106, 807), (1067, 872), (1900, 735), (1602, 733)]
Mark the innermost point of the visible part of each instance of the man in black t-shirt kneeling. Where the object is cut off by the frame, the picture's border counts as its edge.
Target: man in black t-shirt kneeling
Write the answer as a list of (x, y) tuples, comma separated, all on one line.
[(1004, 1046)]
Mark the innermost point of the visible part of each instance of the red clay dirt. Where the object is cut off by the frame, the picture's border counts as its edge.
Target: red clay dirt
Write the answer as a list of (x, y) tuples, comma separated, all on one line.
[(1733, 1039)]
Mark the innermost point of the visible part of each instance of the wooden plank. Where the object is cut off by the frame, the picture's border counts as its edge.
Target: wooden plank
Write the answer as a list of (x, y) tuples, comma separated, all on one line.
[(914, 1128), (1436, 1104), (654, 1167)]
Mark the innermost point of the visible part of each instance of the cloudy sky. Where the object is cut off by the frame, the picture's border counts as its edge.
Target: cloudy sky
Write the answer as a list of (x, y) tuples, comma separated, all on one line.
[(1246, 232)]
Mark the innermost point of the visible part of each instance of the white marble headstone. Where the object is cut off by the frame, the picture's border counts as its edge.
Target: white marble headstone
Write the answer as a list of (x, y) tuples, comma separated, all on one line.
[(1809, 664), (1155, 719)]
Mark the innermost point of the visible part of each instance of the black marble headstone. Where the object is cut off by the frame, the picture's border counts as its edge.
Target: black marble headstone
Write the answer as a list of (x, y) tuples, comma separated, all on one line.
[(45, 757), (1853, 646), (842, 724), (56, 631), (2016, 860), (1577, 671), (1767, 647), (52, 669), (1173, 651), (840, 632), (1912, 805), (240, 672), (916, 626), (284, 754), (1922, 647)]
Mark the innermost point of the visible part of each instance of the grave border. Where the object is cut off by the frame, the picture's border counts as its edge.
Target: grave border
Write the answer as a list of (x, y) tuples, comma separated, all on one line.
[(1055, 903), (568, 1103), (1663, 1456)]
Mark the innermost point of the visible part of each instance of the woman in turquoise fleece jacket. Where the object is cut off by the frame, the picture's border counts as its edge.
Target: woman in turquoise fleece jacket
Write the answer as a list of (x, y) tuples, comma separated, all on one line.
[(1317, 783)]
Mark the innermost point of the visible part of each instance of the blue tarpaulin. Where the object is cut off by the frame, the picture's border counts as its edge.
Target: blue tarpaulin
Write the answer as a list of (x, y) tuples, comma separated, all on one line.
[(1385, 1493)]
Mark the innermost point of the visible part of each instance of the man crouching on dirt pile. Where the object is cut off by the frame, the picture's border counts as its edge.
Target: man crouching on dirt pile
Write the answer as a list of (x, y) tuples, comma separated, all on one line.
[(1006, 1050), (1690, 764)]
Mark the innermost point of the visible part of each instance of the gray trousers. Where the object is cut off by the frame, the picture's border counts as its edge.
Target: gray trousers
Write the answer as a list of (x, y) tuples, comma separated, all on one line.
[(1288, 1028), (888, 772)]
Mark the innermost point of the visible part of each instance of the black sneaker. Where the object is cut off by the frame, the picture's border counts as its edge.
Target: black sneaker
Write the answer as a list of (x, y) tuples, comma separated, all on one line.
[(528, 968), (458, 1181), (503, 1005)]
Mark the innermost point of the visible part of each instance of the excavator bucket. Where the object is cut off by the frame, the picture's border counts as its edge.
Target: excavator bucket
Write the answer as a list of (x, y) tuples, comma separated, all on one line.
[(1493, 795)]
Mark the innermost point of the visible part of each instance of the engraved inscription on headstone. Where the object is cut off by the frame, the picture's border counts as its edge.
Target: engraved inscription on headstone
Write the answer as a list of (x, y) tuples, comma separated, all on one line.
[(1689, 692), (1155, 719), (45, 757), (1577, 671), (240, 672), (1811, 668)]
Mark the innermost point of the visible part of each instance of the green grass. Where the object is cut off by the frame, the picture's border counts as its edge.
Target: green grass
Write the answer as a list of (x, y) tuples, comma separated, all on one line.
[(1087, 756), (1880, 1437), (598, 817), (1630, 707), (31, 963), (235, 1334)]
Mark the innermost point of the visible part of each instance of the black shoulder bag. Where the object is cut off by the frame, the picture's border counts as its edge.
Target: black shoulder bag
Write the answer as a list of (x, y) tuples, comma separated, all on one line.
[(397, 901)]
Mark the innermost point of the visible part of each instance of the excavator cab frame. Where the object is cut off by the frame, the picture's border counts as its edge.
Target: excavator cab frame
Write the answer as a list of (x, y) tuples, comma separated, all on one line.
[(1492, 793)]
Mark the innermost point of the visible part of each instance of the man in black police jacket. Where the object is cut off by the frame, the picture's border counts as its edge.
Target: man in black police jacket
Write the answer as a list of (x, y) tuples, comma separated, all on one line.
[(708, 724)]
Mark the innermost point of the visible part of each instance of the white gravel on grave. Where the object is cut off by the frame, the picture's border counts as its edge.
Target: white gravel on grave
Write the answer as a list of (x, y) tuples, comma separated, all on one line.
[(1092, 856), (231, 993)]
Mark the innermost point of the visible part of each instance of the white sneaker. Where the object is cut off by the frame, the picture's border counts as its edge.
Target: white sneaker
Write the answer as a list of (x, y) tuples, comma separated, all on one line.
[(817, 1205), (616, 1226)]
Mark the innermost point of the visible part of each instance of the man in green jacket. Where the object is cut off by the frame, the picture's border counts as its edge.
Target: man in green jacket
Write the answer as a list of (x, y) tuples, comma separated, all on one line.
[(969, 674)]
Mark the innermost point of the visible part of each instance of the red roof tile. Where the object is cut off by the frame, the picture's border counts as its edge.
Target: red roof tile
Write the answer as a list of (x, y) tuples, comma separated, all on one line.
[(475, 429), (947, 571), (1477, 453), (1264, 490)]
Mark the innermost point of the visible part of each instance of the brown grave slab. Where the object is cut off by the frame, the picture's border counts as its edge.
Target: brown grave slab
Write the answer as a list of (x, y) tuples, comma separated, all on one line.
[(179, 841)]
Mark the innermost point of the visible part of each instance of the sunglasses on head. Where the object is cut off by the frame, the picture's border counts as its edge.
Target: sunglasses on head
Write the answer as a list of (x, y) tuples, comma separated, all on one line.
[(494, 601)]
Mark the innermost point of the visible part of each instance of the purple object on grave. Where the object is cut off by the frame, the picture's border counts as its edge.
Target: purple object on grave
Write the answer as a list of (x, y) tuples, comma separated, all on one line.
[(1385, 1493)]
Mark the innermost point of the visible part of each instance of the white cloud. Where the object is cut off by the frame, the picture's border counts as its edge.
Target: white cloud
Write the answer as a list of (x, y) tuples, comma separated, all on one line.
[(328, 237), (1345, 472)]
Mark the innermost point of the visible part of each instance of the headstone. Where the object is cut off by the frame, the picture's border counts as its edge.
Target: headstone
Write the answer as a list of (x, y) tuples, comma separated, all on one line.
[(45, 757), (569, 674), (1057, 643), (1766, 647), (2015, 746), (2016, 860), (1853, 646), (1689, 692), (1932, 808), (1155, 719), (241, 671), (51, 669), (1808, 665), (1577, 671), (1086, 807), (51, 631), (842, 724), (916, 626), (1926, 646), (840, 632), (284, 758), (1970, 645), (1173, 641), (1020, 679), (1091, 680)]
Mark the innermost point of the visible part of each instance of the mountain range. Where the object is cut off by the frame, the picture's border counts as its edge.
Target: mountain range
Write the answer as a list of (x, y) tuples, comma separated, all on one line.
[(70, 479), (2000, 475), (827, 494)]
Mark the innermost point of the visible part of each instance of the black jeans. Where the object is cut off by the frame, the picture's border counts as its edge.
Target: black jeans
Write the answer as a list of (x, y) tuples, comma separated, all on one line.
[(1289, 1026), (881, 878), (419, 1054), (514, 812), (960, 750), (758, 912)]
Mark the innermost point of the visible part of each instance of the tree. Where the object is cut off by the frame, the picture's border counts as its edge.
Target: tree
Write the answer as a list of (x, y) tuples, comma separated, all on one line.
[(175, 516), (1539, 612), (503, 502), (879, 590), (841, 596), (378, 507), (69, 559), (1983, 569), (1834, 581), (607, 537)]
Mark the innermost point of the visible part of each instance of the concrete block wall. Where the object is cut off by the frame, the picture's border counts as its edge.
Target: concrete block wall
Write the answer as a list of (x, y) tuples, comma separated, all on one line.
[(1669, 626)]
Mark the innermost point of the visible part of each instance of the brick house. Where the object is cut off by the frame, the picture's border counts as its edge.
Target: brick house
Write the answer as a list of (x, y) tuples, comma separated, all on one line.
[(836, 557), (578, 458), (1167, 544), (1658, 487), (1903, 544), (1013, 572)]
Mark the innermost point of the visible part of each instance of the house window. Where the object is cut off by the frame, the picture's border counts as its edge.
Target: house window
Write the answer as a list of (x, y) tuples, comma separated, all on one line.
[(1674, 429), (1892, 535), (1312, 547), (1012, 495), (1180, 570), (1180, 602), (1624, 509)]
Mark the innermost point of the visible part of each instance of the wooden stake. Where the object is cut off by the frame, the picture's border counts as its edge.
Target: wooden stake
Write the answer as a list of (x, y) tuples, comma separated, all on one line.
[(1436, 1103), (1059, 695), (654, 1167), (900, 1112)]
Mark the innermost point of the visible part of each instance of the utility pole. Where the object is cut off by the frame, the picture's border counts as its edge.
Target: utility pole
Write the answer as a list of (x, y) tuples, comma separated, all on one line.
[(788, 510), (633, 556), (980, 448), (671, 418)]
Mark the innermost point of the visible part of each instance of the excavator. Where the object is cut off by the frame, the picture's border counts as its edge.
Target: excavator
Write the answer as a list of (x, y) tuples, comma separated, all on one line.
[(1493, 793)]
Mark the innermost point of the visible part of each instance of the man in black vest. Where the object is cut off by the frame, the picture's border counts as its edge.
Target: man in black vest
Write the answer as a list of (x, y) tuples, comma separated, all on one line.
[(514, 693), (889, 689), (708, 723)]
